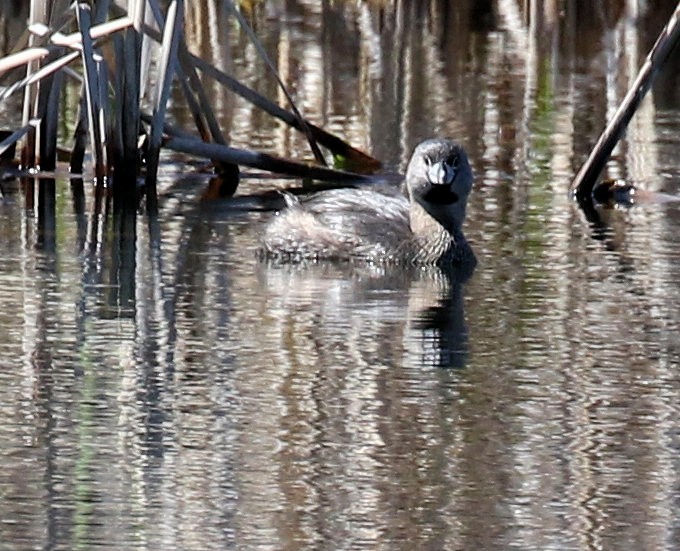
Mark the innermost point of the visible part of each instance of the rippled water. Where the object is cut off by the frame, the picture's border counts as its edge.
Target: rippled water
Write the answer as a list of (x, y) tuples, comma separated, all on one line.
[(161, 388)]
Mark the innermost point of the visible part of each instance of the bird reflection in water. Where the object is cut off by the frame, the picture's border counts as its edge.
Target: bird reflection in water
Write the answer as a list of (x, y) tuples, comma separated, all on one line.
[(373, 315)]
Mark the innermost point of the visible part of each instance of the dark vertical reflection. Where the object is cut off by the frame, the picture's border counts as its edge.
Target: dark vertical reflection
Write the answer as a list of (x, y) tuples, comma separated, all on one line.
[(444, 331), (46, 420), (47, 216), (28, 191), (47, 376), (117, 209), (79, 204), (123, 259)]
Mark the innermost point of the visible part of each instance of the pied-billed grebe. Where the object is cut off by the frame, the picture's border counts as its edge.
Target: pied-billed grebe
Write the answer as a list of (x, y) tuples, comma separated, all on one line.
[(383, 226)]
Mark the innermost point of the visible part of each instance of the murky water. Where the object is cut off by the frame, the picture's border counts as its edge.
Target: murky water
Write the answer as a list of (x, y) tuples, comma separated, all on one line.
[(160, 388)]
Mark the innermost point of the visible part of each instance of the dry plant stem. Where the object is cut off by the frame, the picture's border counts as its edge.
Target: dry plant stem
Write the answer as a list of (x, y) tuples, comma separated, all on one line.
[(74, 40), (263, 54), (125, 132), (171, 34), (80, 135), (589, 172), (195, 109), (50, 114), (23, 58), (36, 53), (262, 161), (41, 73), (38, 15), (202, 98), (197, 99), (333, 143), (92, 89), (17, 135)]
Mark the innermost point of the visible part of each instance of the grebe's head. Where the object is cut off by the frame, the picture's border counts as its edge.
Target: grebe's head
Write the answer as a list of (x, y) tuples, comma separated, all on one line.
[(439, 179)]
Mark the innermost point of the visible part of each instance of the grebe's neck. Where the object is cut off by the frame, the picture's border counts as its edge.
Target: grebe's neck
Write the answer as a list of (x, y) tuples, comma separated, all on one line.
[(422, 222), (432, 241)]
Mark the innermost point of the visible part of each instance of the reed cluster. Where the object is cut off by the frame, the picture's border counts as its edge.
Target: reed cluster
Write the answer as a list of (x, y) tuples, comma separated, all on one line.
[(121, 124)]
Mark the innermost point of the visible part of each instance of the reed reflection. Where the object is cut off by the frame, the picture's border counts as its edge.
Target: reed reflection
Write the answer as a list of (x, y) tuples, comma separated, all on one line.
[(47, 215)]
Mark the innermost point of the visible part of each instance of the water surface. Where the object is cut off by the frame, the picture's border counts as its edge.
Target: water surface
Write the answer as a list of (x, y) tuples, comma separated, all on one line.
[(160, 387)]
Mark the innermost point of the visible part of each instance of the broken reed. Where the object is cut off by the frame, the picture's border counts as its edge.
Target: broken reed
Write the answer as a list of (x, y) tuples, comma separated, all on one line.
[(114, 47)]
